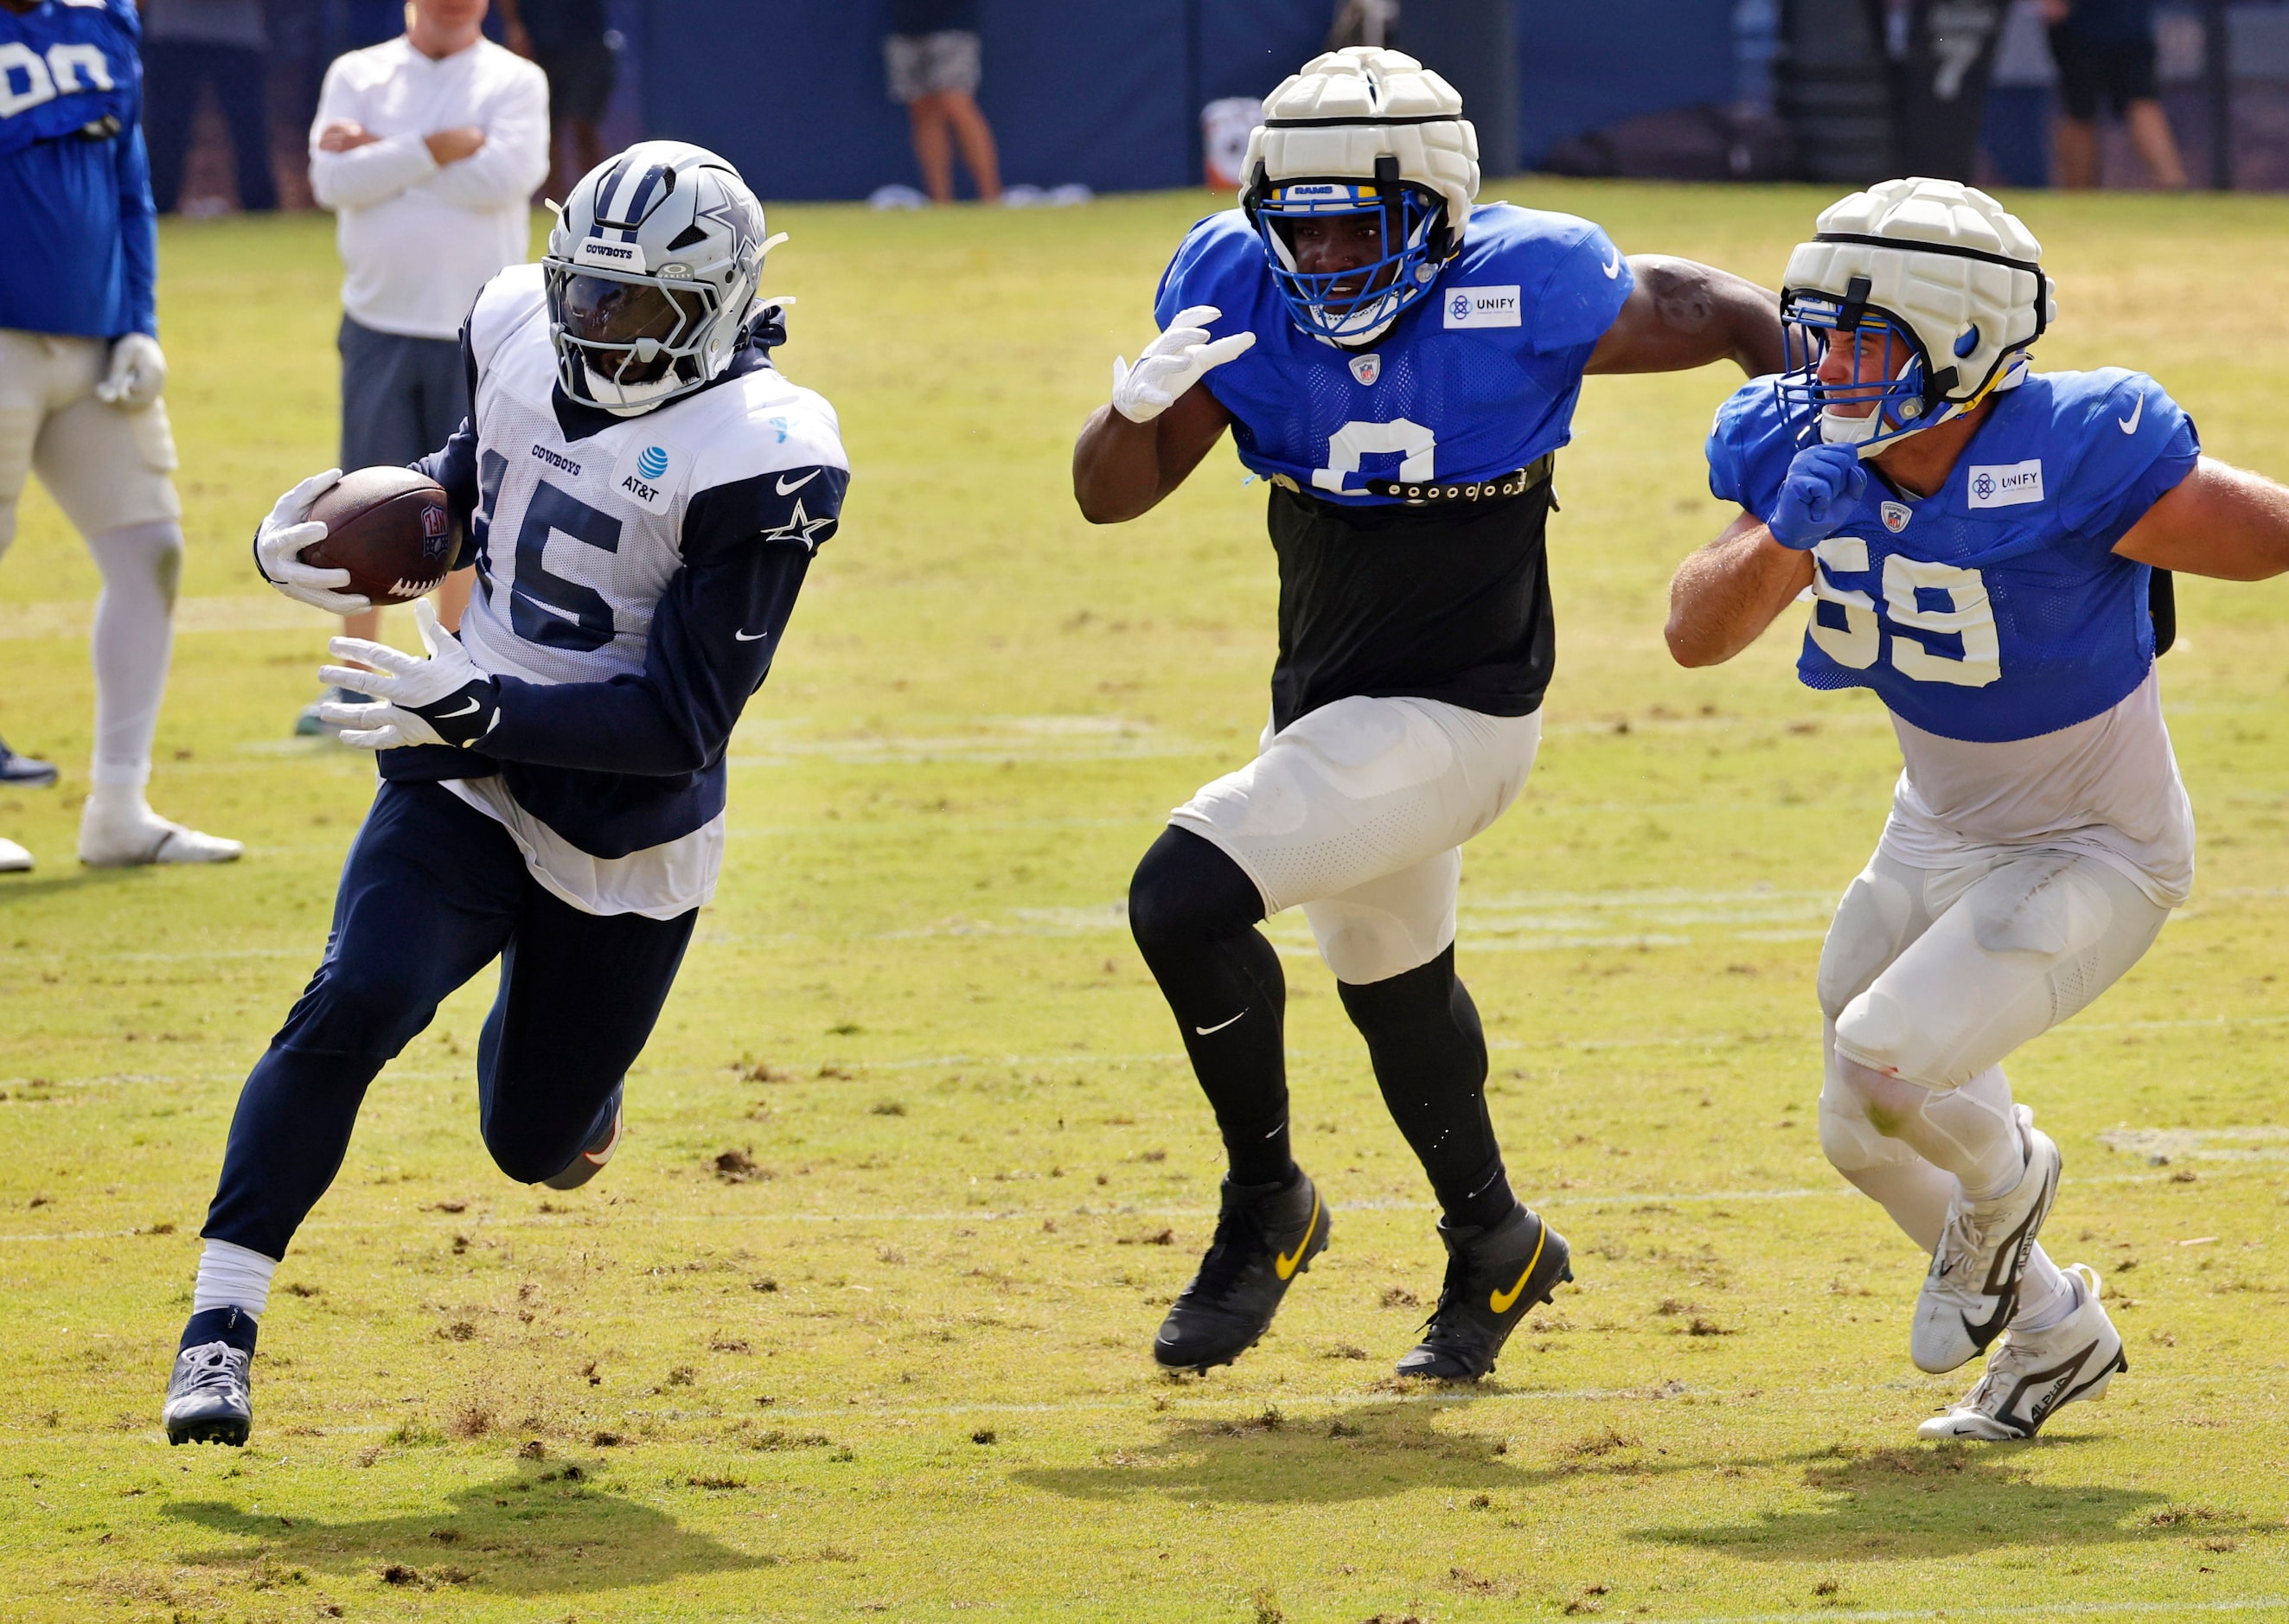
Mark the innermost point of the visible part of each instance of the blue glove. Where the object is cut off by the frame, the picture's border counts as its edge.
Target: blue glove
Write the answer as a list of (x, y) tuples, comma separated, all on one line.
[(1823, 487)]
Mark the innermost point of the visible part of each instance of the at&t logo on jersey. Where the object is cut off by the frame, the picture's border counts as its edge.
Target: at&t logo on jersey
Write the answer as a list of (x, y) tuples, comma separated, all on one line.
[(1483, 306), (645, 476), (2005, 484)]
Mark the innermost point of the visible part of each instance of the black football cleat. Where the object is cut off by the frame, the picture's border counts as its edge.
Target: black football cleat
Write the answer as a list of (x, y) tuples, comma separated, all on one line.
[(210, 1395), (1265, 1236), (23, 772), (596, 1152), (1495, 1278)]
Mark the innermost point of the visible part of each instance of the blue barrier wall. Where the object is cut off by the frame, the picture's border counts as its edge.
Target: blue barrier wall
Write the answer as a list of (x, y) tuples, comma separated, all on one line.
[(1106, 91)]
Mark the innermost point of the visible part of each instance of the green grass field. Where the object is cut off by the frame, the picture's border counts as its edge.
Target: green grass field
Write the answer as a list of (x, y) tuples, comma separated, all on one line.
[(856, 1323)]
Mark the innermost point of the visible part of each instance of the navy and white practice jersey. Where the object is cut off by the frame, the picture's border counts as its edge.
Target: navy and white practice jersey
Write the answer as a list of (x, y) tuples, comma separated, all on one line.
[(1995, 608), (634, 576), (1475, 380), (75, 184)]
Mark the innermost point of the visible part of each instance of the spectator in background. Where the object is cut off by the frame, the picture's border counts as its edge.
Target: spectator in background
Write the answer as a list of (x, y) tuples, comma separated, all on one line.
[(570, 40), (428, 150), (2105, 52), (931, 51), (191, 44)]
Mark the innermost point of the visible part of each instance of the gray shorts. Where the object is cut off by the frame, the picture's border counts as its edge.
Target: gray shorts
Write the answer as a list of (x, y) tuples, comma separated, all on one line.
[(402, 398), (925, 64)]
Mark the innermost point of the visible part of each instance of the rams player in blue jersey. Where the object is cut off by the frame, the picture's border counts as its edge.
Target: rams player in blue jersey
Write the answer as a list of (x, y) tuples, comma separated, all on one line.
[(1982, 544), (642, 494), (1403, 368), (80, 372)]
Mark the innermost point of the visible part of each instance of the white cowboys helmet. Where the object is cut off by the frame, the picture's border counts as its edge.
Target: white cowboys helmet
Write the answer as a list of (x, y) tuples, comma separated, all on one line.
[(1949, 283), (1361, 132), (651, 273)]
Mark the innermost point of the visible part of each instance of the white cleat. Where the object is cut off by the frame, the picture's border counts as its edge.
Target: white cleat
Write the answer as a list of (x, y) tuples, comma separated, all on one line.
[(1973, 1285), (14, 859), (2032, 1372), (141, 836)]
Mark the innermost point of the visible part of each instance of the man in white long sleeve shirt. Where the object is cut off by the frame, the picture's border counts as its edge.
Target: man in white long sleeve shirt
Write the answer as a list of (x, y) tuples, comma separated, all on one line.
[(428, 150)]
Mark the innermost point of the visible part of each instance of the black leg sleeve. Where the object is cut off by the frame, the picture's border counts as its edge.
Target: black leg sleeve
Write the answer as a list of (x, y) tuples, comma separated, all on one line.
[(1430, 1056), (579, 994), (1193, 912)]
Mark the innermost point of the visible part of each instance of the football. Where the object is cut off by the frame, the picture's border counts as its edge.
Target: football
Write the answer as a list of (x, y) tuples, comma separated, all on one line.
[(389, 528)]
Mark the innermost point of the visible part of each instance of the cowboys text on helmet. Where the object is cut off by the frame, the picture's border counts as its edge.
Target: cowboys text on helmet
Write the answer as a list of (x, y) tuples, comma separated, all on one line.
[(651, 275)]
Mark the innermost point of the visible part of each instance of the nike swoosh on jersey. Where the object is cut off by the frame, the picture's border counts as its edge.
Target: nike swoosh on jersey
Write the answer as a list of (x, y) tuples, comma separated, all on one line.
[(786, 489), (469, 709), (2129, 425), (1500, 1301), (1219, 1026), (749, 637), (1613, 266), (1285, 1261)]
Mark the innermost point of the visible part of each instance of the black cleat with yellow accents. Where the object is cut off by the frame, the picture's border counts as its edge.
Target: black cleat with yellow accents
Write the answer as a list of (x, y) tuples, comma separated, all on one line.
[(1495, 1278), (1265, 1236)]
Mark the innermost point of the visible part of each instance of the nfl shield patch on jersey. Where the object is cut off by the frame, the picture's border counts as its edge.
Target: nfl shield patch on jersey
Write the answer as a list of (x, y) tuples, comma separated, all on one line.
[(1896, 515), (1367, 368)]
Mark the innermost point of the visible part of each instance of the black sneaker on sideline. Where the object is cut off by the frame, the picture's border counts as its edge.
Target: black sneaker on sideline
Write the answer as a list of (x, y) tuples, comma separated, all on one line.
[(1265, 1236), (23, 772), (1495, 1278), (596, 1152)]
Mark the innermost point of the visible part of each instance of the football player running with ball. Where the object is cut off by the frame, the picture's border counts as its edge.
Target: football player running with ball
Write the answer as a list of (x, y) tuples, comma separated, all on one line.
[(1403, 368), (643, 493), (1980, 540)]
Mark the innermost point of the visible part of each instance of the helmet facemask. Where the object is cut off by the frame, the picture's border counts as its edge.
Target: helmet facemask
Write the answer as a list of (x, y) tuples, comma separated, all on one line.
[(624, 341), (1357, 305), (1887, 389)]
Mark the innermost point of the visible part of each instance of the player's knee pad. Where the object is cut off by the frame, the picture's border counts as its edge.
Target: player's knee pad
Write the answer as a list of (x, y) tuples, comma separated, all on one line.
[(1848, 1138), (1877, 1031), (1871, 925), (1187, 891)]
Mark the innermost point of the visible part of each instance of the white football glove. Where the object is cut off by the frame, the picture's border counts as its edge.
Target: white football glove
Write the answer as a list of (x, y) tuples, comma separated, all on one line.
[(443, 699), (278, 546), (139, 372), (1172, 363)]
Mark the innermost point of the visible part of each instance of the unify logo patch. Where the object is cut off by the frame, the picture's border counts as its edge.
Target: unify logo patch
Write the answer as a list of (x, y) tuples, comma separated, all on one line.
[(2005, 484), (1483, 306), (1895, 515), (645, 474), (1367, 368)]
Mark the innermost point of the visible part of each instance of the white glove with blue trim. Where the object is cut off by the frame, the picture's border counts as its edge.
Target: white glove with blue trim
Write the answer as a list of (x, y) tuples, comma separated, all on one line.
[(1172, 363), (443, 699)]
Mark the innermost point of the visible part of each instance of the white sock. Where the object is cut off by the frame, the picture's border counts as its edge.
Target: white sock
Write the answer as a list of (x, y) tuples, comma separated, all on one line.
[(2046, 1295), (233, 1278), (133, 639)]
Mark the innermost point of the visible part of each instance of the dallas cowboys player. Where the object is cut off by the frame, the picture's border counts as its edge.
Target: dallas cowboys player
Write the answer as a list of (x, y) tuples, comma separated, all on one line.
[(1979, 540), (642, 494), (80, 375), (1403, 368)]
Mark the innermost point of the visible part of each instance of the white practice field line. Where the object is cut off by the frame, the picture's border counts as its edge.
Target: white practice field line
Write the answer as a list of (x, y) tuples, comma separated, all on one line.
[(614, 1219)]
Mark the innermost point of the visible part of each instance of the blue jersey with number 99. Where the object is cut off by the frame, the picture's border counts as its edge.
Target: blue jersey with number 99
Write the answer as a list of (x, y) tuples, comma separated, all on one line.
[(1996, 608), (1474, 382)]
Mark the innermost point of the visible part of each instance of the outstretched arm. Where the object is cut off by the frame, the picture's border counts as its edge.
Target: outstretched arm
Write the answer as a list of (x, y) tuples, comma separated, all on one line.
[(2218, 520), (1682, 315), (1121, 469), (1725, 595)]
